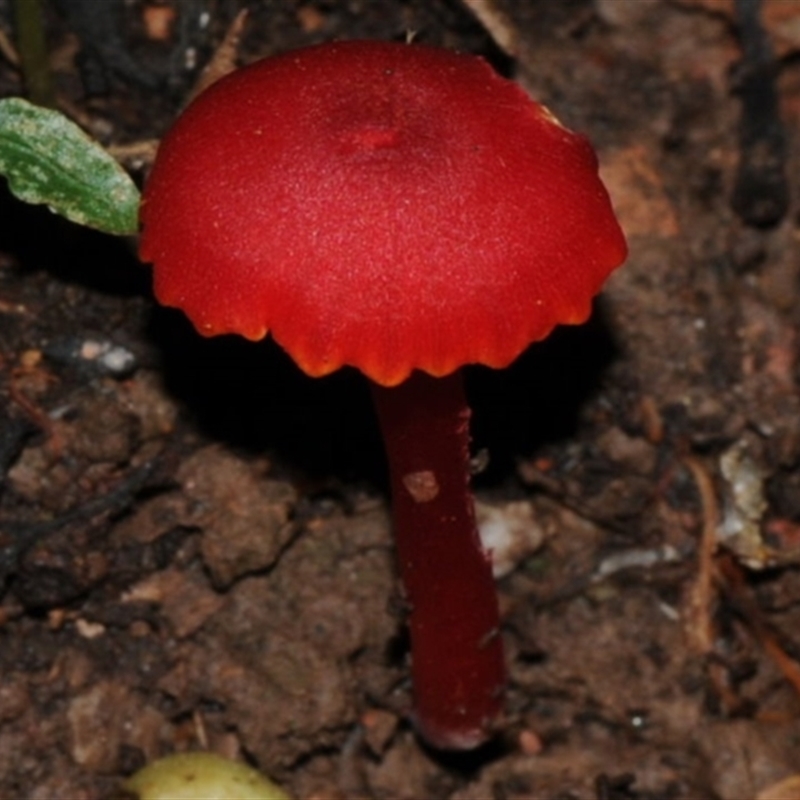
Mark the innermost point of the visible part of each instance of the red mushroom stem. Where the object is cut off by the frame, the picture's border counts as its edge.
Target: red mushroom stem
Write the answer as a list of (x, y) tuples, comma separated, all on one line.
[(456, 651)]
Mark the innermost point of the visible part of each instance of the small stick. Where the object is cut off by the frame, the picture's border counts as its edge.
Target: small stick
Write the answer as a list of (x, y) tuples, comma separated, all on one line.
[(7, 49), (701, 597), (224, 59), (497, 24), (740, 597), (136, 154)]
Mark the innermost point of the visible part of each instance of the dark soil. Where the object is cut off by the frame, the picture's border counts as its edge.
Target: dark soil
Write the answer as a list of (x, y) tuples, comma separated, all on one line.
[(195, 550)]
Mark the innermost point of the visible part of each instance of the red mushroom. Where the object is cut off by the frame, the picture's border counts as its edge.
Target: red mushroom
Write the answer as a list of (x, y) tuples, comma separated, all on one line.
[(404, 210)]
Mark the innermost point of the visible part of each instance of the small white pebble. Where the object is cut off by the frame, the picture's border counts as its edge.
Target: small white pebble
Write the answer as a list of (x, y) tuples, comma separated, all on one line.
[(117, 360), (509, 533), (89, 630)]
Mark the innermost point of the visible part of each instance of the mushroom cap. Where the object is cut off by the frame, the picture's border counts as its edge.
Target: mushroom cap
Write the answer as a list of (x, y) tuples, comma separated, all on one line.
[(388, 206)]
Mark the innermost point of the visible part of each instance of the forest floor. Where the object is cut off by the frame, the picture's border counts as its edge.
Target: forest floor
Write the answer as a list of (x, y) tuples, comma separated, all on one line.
[(195, 546)]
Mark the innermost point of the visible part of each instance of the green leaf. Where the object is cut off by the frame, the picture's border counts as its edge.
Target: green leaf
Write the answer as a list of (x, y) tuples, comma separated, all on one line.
[(48, 159)]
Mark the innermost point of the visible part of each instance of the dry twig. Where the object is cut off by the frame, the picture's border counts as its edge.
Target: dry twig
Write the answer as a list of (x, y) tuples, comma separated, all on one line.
[(702, 595), (726, 575), (224, 59), (740, 597), (497, 24), (7, 49)]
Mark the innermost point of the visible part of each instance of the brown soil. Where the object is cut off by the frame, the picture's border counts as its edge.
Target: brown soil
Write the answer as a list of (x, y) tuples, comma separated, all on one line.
[(195, 550)]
